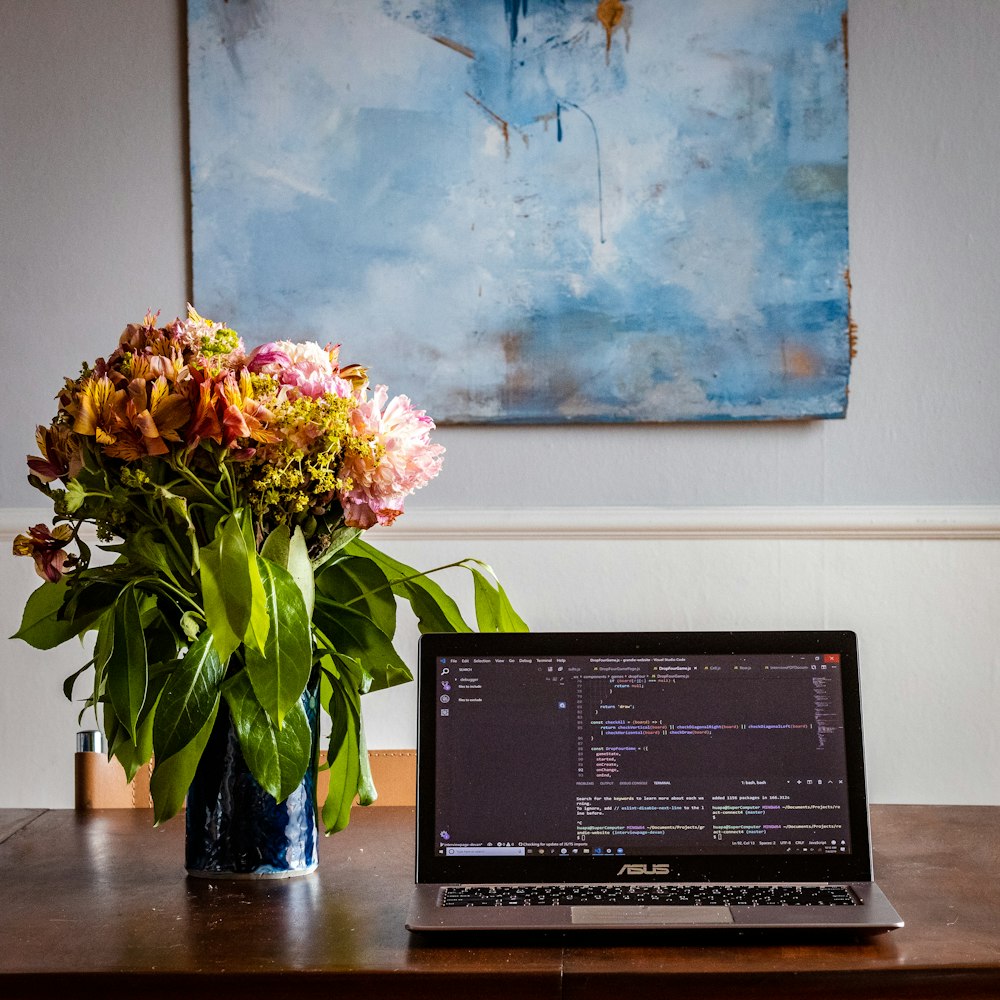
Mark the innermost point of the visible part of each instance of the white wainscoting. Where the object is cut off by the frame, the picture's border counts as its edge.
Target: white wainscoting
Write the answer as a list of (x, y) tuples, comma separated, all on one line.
[(918, 584)]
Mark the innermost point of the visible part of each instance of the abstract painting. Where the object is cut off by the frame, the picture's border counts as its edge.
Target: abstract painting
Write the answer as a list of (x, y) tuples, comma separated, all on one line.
[(534, 211)]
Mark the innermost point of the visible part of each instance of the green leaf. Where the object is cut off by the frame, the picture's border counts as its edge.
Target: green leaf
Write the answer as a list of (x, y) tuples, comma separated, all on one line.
[(191, 624), (142, 549), (278, 759), (510, 620), (343, 756), (179, 505), (487, 610), (289, 550), (161, 639), (172, 777), (356, 635), (434, 609), (103, 645), (494, 612), (360, 584), (339, 540), (70, 681), (260, 623), (190, 693), (113, 730), (367, 793), (231, 587), (126, 669), (41, 625), (91, 594), (133, 755), (280, 672)]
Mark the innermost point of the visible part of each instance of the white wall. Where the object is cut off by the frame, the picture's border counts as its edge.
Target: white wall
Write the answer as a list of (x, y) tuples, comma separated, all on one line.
[(93, 217)]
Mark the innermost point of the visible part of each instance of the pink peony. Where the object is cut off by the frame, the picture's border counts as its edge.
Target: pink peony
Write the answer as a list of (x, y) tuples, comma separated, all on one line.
[(309, 368), (399, 460)]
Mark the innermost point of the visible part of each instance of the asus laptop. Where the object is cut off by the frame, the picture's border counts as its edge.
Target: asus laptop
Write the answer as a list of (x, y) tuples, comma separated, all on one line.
[(676, 780)]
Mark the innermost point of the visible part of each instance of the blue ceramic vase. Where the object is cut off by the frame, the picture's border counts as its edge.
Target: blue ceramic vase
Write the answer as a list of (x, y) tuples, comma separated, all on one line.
[(235, 829)]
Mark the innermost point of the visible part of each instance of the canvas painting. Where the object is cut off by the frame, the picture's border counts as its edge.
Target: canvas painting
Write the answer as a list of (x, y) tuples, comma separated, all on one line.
[(534, 211)]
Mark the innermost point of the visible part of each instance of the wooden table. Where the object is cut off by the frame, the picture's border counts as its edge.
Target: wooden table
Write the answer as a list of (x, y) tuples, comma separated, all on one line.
[(98, 904)]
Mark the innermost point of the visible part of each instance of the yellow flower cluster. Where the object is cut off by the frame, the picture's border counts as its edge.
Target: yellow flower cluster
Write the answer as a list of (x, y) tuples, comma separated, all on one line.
[(295, 478)]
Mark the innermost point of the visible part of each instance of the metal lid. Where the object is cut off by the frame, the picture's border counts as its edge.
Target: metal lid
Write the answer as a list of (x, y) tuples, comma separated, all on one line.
[(90, 741)]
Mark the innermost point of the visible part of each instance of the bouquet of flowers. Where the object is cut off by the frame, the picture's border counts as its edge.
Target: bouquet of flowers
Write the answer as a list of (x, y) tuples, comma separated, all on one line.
[(231, 489)]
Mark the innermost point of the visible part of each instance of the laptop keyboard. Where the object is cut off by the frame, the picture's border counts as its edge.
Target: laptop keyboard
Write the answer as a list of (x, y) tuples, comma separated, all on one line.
[(648, 895)]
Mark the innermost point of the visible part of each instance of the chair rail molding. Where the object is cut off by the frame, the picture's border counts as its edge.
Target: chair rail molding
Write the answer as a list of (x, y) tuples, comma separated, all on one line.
[(648, 522)]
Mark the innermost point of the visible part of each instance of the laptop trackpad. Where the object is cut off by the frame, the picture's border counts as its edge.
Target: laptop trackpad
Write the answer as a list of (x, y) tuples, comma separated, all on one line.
[(650, 915)]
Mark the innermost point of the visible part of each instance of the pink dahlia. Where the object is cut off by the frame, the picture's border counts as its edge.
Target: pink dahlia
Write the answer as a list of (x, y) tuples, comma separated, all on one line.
[(397, 457)]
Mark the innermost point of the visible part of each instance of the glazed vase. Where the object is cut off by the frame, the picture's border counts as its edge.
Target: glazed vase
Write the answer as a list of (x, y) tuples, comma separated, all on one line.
[(234, 828)]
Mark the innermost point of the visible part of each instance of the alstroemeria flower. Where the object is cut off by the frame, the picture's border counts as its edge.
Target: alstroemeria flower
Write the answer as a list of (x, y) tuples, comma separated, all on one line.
[(60, 458), (397, 457), (205, 424), (169, 364), (243, 416), (154, 414), (97, 410), (47, 548)]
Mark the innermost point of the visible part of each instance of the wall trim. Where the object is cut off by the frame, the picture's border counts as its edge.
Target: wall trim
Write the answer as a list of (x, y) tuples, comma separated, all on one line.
[(640, 523)]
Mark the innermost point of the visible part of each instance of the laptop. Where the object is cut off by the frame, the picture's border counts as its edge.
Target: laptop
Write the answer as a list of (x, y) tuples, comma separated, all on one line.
[(622, 781)]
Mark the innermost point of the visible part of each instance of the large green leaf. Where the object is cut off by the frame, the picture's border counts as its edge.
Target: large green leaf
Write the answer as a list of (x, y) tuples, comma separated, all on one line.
[(278, 759), (132, 755), (360, 583), (126, 670), (41, 625), (172, 777), (232, 591), (289, 550), (280, 672), (434, 609), (356, 635), (337, 669), (188, 697)]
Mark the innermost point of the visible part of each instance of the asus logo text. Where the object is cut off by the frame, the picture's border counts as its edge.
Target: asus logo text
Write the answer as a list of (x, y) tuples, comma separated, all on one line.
[(644, 870)]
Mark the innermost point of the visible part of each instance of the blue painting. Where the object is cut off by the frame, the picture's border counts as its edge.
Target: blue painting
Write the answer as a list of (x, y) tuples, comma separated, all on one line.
[(534, 211)]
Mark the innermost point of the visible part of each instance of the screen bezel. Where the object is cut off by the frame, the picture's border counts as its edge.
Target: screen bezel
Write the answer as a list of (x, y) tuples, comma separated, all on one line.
[(854, 866)]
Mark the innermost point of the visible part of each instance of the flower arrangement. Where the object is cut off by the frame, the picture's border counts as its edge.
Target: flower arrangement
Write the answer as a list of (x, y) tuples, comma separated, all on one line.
[(231, 489)]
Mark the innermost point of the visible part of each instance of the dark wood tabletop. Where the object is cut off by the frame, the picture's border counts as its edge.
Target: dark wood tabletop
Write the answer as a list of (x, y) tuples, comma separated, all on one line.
[(93, 902)]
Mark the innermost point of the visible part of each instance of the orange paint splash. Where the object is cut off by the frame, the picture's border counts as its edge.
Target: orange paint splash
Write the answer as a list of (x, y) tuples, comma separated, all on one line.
[(450, 43), (799, 362), (610, 13)]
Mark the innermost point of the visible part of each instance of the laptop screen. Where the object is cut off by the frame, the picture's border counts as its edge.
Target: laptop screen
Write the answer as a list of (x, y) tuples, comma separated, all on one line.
[(718, 748)]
